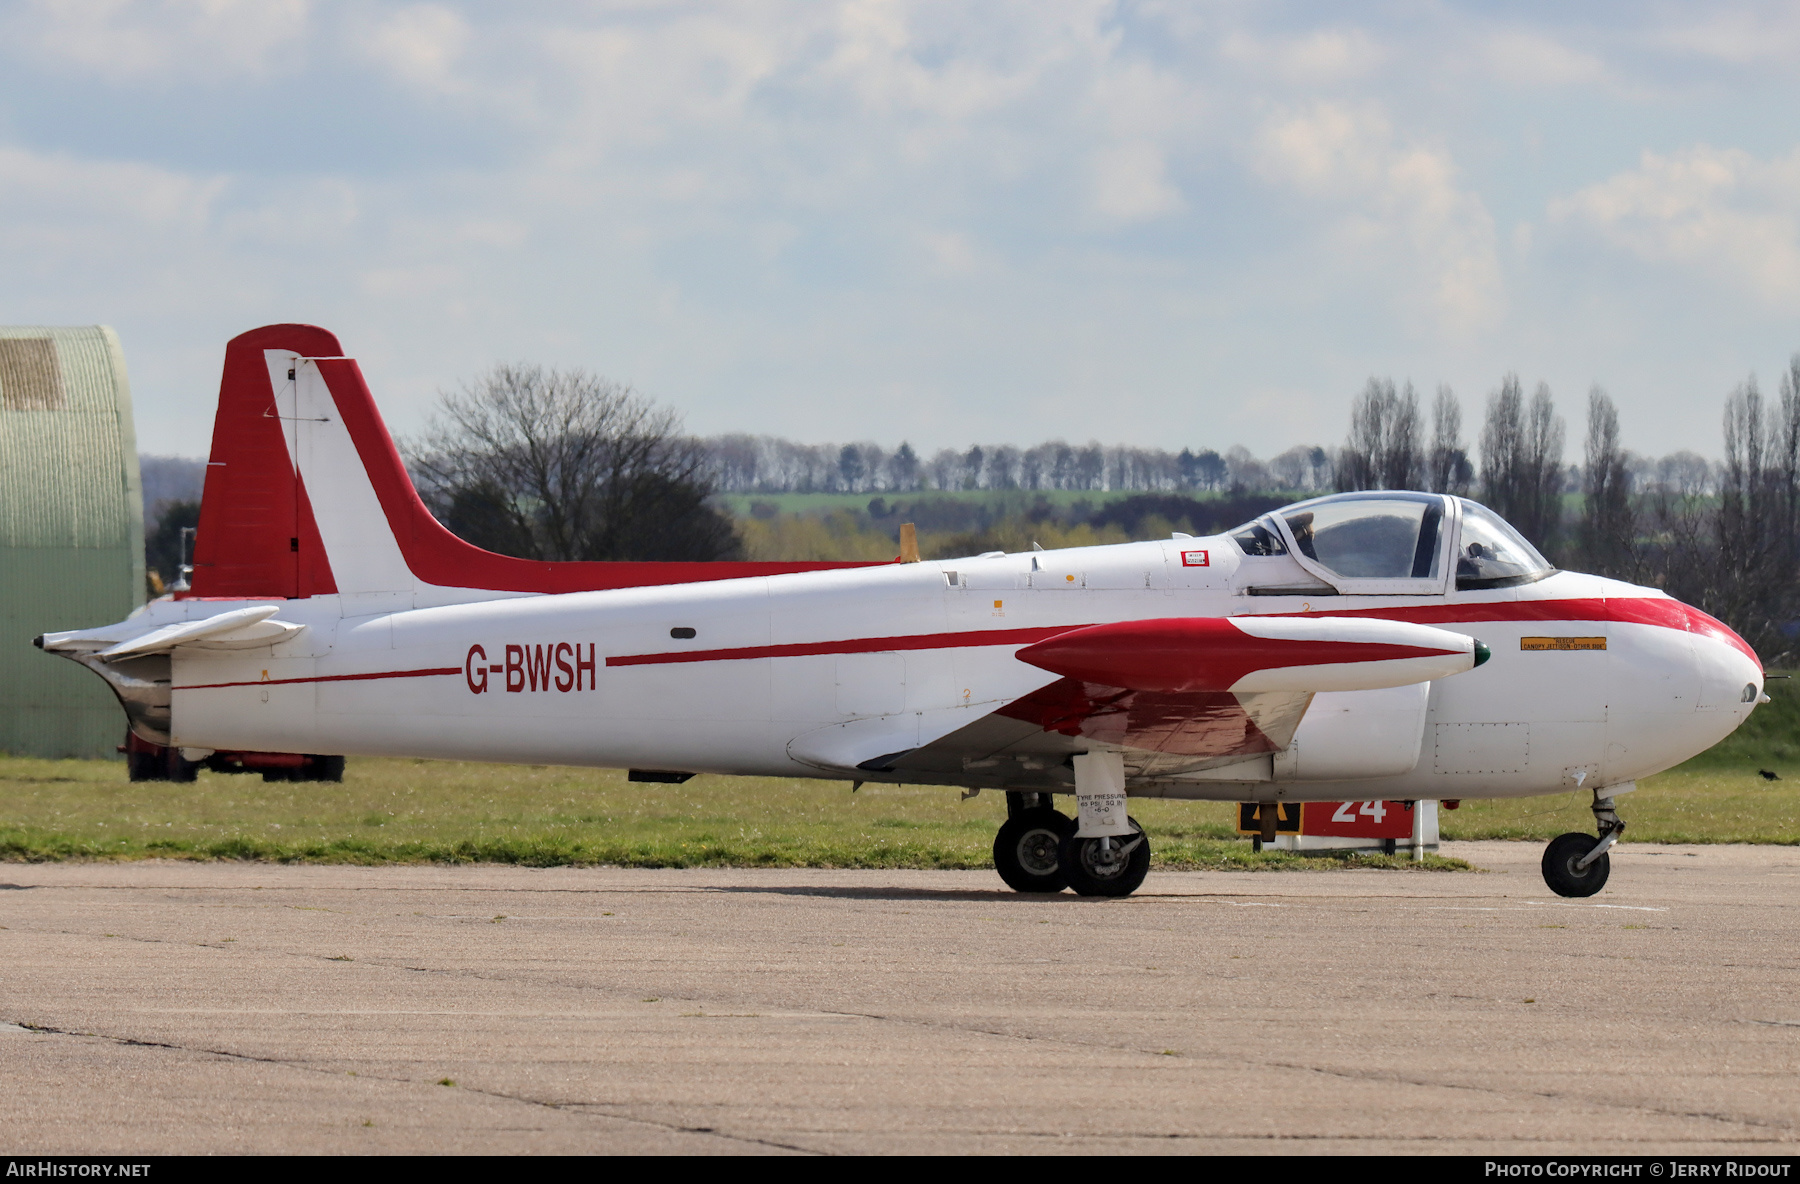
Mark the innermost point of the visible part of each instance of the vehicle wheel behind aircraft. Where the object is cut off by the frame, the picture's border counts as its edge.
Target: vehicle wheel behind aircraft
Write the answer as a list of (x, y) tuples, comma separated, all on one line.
[(180, 768), (1560, 872), (146, 766), (1027, 850), (1098, 867)]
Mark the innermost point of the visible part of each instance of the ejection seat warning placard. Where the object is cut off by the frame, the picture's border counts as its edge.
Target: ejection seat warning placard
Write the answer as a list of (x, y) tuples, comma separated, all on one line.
[(1562, 643)]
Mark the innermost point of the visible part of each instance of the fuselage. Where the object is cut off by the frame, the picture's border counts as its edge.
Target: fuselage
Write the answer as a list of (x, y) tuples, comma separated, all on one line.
[(1592, 681)]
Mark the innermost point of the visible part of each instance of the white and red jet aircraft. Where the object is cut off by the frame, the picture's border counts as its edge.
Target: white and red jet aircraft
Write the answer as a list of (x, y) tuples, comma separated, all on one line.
[(1326, 651)]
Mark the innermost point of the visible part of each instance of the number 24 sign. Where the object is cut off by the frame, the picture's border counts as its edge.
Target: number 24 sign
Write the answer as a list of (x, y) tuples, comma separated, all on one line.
[(1358, 820)]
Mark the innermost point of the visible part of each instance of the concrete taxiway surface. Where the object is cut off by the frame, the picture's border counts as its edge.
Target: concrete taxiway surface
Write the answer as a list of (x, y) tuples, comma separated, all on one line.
[(181, 1007)]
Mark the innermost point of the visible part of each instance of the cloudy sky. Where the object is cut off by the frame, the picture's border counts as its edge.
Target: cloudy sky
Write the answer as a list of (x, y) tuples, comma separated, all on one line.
[(1152, 223)]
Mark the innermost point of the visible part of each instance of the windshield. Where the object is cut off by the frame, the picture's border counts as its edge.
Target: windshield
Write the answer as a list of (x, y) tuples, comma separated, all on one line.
[(1257, 539), (1370, 537), (1492, 553)]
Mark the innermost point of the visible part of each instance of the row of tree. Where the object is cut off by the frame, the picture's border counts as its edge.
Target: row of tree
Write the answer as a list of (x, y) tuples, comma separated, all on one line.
[(769, 464)]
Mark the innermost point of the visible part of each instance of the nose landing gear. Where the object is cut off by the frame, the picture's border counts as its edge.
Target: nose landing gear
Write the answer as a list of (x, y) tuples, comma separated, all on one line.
[(1576, 864)]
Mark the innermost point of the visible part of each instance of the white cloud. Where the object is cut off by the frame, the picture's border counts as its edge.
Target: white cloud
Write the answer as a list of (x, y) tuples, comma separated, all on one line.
[(97, 204), (1721, 212), (163, 39), (422, 44), (1525, 57), (1323, 57), (1131, 182), (1398, 214), (1735, 34)]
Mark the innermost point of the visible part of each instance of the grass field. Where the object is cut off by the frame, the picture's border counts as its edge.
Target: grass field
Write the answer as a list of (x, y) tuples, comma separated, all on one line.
[(410, 811)]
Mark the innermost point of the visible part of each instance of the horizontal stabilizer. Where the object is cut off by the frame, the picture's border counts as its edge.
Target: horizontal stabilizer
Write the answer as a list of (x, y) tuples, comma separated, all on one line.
[(1252, 654), (243, 628)]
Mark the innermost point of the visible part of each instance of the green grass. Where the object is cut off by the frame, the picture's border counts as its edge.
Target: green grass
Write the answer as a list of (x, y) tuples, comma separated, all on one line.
[(1688, 804), (406, 811)]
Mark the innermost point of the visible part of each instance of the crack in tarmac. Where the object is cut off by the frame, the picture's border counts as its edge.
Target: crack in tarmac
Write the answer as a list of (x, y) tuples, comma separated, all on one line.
[(1426, 1083), (306, 1067), (614, 1111), (1751, 1131)]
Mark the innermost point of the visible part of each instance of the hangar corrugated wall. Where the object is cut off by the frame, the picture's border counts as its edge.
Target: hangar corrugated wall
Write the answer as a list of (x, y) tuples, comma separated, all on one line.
[(71, 531)]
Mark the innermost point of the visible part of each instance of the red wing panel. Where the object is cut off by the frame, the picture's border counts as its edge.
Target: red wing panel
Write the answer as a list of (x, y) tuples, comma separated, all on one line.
[(1193, 654), (1179, 723)]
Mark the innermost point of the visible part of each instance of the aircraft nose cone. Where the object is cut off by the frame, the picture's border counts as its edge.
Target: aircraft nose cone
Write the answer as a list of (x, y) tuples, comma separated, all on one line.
[(1730, 672)]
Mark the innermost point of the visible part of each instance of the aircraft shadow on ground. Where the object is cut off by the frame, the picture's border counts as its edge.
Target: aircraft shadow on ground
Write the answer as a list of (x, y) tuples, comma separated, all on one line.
[(848, 892)]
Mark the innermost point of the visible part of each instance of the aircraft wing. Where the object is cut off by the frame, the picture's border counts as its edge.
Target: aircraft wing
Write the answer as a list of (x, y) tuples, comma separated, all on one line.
[(1178, 695)]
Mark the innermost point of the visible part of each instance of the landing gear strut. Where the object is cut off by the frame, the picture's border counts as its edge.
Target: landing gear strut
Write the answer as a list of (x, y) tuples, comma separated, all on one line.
[(1576, 864), (1107, 854), (1027, 851)]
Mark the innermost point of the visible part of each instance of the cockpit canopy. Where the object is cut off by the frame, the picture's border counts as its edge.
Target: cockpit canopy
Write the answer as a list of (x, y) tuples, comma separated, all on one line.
[(1396, 542)]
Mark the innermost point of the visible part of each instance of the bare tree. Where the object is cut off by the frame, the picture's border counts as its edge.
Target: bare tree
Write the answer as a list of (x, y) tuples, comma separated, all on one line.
[(1754, 570), (1608, 525), (1447, 468), (1382, 451), (566, 465), (1521, 459), (903, 469)]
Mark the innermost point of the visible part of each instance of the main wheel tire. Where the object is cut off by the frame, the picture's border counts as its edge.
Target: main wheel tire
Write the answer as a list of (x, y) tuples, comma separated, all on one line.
[(327, 768), (146, 766), (1094, 872), (1560, 872), (1027, 851), (180, 768)]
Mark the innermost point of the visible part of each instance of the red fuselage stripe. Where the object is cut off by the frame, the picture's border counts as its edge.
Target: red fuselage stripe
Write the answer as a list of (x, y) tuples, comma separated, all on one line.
[(276, 682), (855, 645)]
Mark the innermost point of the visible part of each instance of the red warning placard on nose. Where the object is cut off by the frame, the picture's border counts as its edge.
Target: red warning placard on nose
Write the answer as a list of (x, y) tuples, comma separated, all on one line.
[(1196, 559)]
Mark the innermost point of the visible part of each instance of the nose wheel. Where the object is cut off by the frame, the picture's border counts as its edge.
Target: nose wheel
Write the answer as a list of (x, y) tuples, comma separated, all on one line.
[(1576, 864)]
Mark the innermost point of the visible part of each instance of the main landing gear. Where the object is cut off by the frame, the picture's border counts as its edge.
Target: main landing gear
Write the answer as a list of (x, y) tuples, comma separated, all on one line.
[(1102, 853), (1028, 849), (1576, 864), (1037, 850)]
